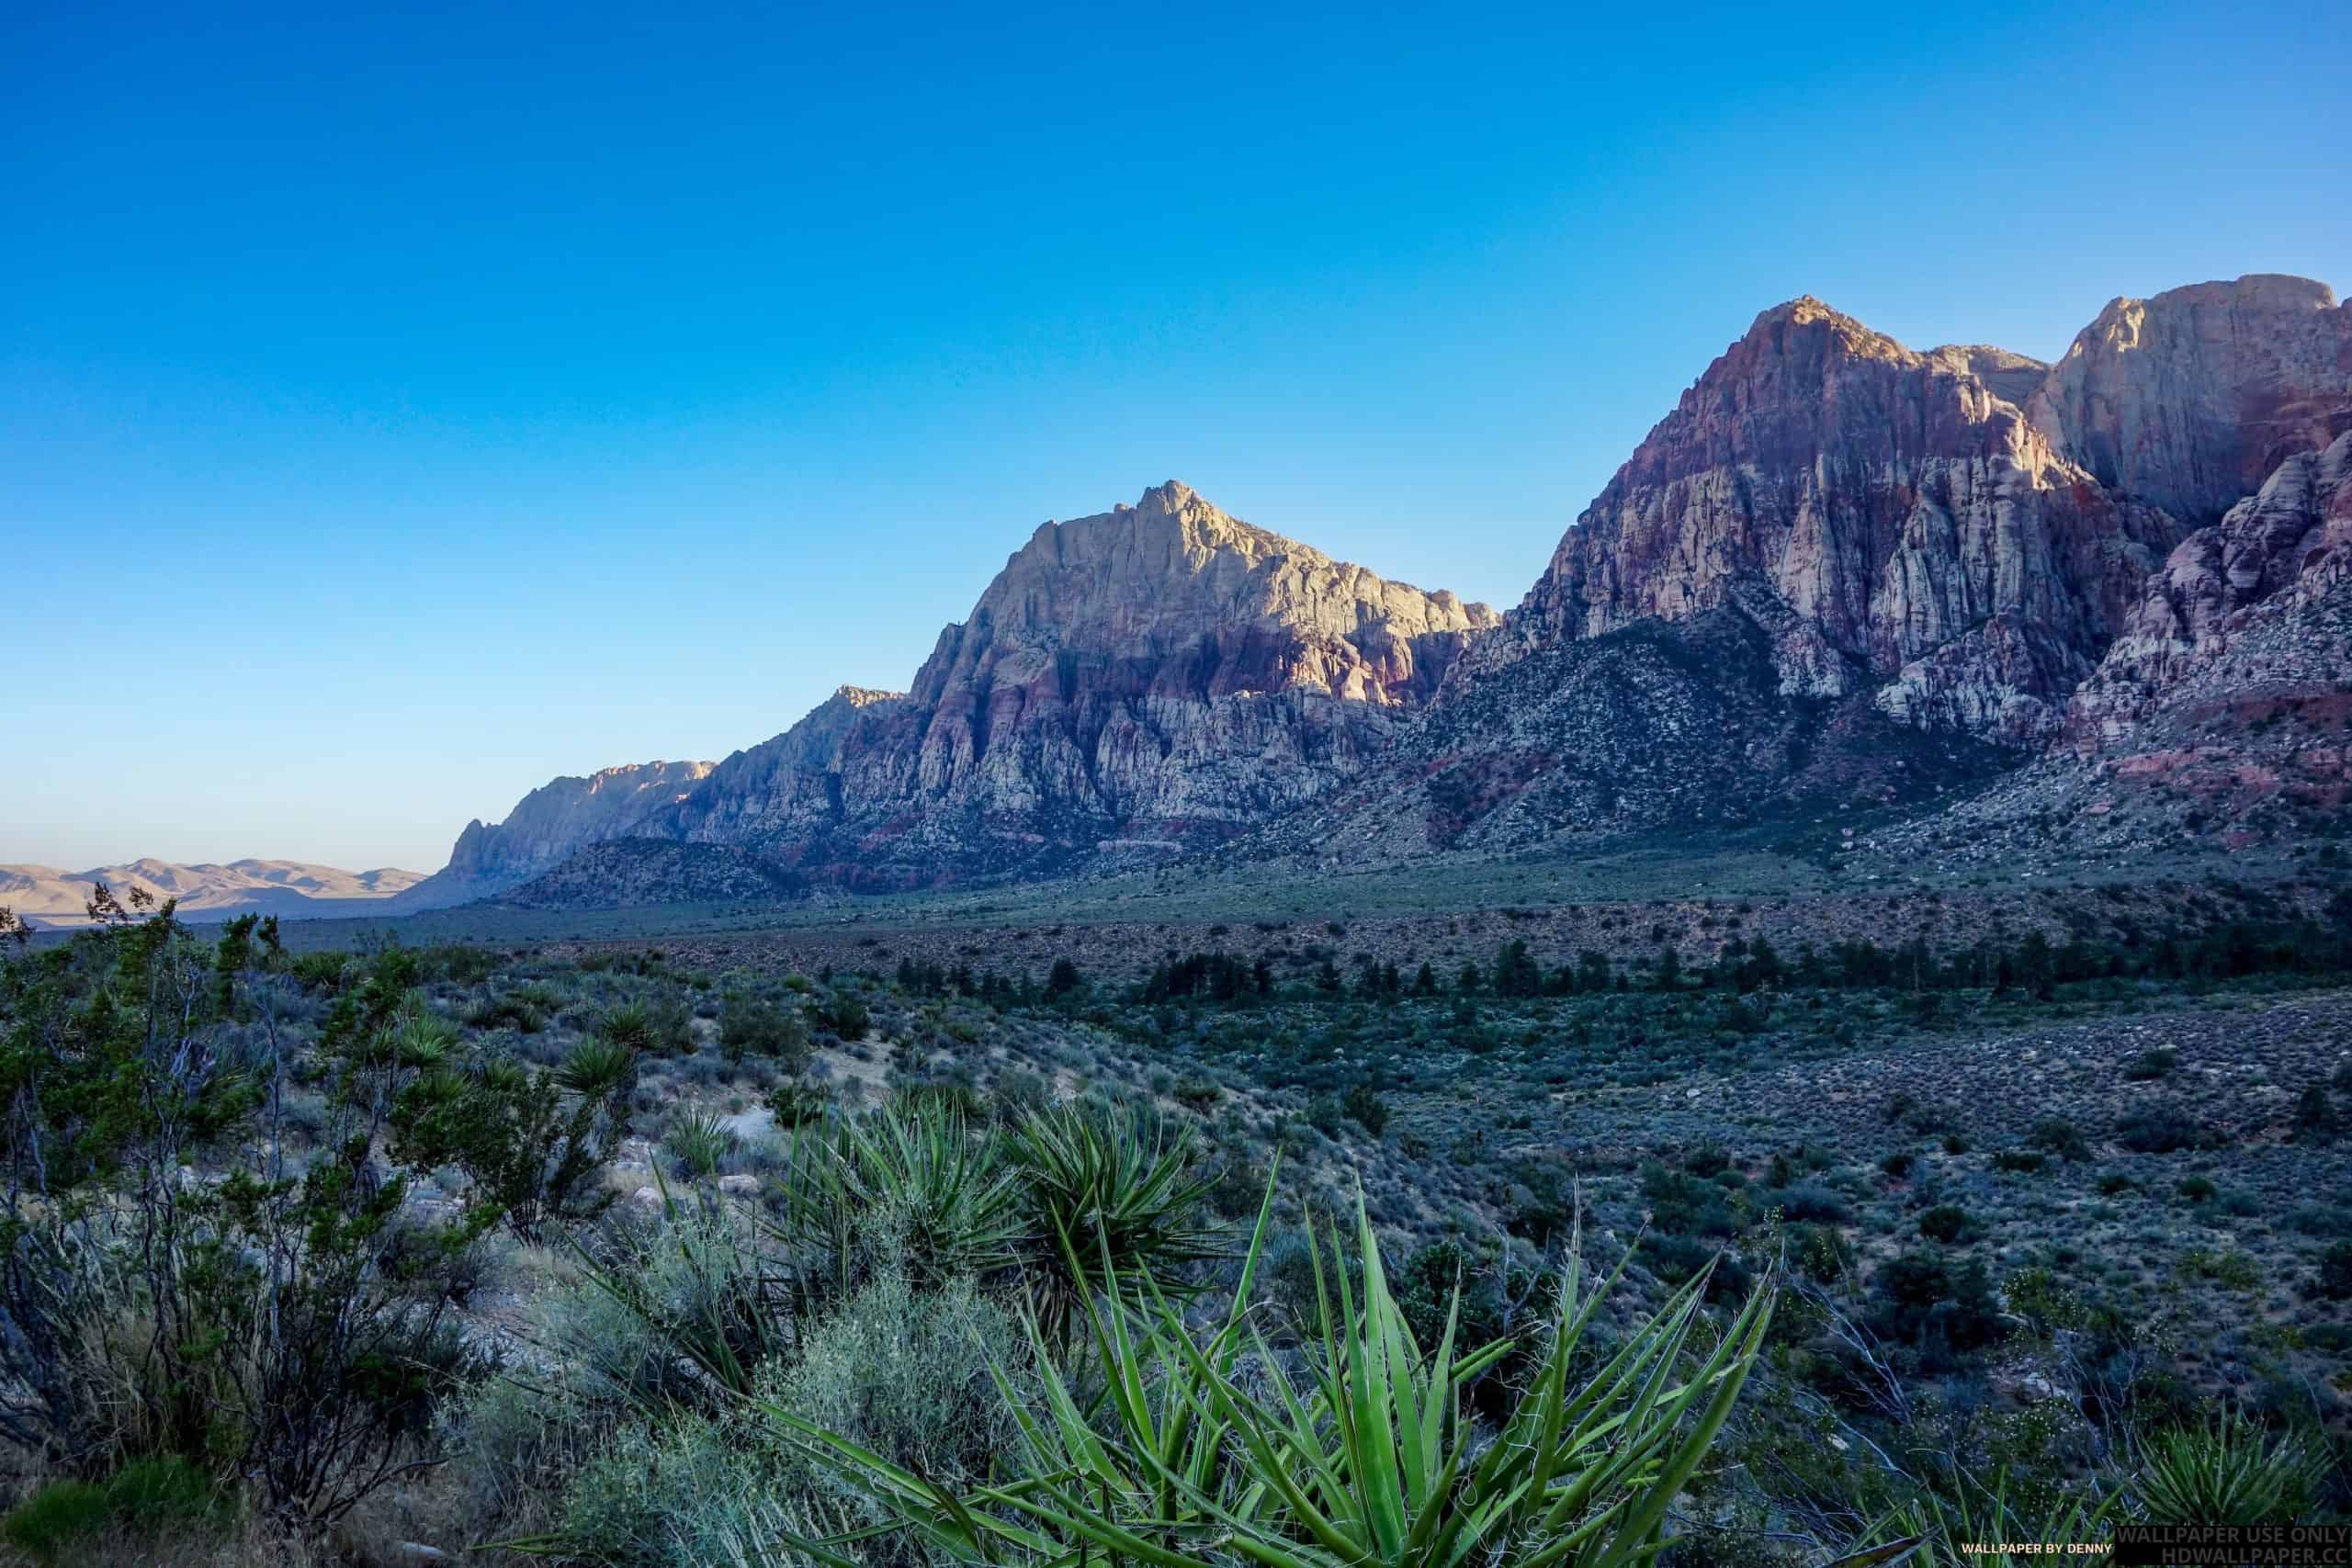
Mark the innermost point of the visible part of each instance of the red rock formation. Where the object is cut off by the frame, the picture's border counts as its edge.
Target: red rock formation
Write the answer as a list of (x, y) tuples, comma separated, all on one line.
[(1925, 536), (2189, 400)]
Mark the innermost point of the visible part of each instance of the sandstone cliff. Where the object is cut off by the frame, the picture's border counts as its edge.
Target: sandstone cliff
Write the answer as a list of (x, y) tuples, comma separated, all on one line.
[(2191, 399), (1928, 541), (549, 824), (1833, 539), (785, 786), (1161, 674), (1962, 532)]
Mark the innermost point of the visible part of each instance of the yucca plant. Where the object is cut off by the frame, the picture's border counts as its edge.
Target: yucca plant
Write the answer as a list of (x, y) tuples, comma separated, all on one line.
[(707, 1307), (922, 1184), (630, 1025), (1117, 1186), (701, 1140), (1367, 1458), (2226, 1473), (1937, 1531), (601, 1068)]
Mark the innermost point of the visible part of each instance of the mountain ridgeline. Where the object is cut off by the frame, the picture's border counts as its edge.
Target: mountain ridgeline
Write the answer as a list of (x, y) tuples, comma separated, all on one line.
[(1839, 572)]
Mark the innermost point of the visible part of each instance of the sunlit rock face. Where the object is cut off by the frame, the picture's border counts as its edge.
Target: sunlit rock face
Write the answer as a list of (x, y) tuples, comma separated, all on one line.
[(1961, 532), (2191, 399), (549, 824), (1834, 542), (1152, 676)]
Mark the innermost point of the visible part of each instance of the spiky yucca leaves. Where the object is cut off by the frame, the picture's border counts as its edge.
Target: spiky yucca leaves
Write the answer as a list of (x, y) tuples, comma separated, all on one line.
[(1366, 1461), (701, 1140), (920, 1184), (1119, 1186), (2227, 1474), (602, 1068), (629, 1024), (705, 1307), (1937, 1531)]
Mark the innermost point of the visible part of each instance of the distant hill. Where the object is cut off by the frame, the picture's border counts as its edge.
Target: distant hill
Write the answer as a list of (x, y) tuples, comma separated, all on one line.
[(47, 896)]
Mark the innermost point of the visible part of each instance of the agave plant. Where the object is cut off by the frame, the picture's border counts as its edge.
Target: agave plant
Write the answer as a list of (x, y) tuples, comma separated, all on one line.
[(1119, 1186), (1367, 1458), (2227, 1474)]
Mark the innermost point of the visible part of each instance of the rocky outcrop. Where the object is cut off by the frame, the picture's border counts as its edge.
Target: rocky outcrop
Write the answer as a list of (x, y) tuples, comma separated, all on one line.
[(781, 789), (1924, 537), (1658, 729), (2191, 399), (1962, 531), (2225, 614), (550, 823)]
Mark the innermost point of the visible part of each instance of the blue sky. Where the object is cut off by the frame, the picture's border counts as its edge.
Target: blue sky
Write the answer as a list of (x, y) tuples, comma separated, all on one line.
[(399, 408)]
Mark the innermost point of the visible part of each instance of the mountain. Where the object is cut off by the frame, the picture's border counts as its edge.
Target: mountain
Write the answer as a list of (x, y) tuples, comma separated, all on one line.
[(1147, 679), (1841, 571), (1930, 544), (549, 824), (784, 788), (1135, 682), (46, 897), (2190, 400)]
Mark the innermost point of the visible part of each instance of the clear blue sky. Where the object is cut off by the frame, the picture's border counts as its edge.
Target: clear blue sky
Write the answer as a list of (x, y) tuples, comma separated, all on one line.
[(399, 410)]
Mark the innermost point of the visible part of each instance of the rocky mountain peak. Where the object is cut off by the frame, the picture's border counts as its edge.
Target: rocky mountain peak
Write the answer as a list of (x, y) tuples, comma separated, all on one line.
[(551, 822), (1783, 330), (1891, 518), (2190, 398), (1174, 580)]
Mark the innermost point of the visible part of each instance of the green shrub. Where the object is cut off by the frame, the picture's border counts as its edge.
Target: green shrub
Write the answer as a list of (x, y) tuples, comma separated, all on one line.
[(62, 1515), (151, 1496), (1945, 1222), (700, 1140), (751, 1026), (2335, 1271), (905, 1373), (2057, 1135), (2159, 1129)]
